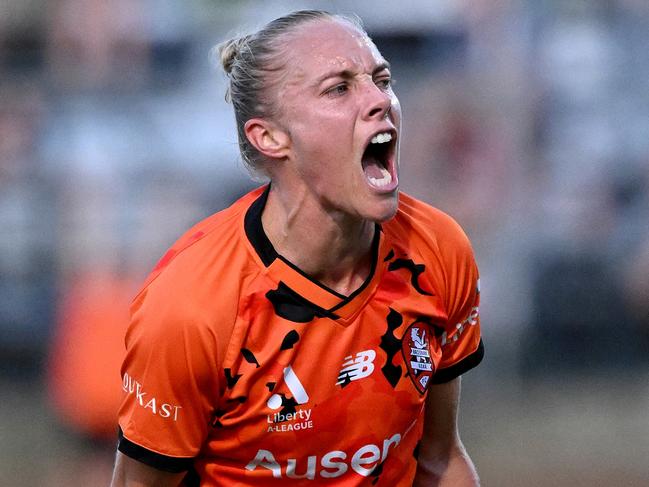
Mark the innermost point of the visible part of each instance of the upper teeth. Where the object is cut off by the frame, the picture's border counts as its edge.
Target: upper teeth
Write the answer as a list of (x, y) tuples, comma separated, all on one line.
[(381, 138)]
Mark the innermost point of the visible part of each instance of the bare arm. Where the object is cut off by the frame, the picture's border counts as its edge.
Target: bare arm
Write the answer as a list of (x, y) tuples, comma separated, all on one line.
[(131, 473), (443, 461)]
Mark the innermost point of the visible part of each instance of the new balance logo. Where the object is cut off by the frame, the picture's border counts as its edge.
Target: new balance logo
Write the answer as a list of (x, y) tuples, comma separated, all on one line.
[(355, 368)]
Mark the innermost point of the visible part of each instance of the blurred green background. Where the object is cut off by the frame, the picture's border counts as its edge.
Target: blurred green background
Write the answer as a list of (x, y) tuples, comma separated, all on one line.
[(528, 121)]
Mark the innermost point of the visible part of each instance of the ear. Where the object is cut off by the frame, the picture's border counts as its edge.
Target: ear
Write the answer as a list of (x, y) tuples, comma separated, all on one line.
[(267, 138)]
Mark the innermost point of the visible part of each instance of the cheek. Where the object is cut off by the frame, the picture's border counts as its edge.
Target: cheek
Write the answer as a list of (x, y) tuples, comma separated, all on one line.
[(328, 137), (395, 110)]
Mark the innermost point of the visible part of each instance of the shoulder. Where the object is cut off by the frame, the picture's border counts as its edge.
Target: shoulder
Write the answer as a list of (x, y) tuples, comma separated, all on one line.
[(201, 273), (428, 227), (208, 240)]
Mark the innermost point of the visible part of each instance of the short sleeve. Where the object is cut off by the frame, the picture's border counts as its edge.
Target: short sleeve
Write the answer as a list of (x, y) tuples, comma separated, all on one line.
[(170, 382), (461, 342)]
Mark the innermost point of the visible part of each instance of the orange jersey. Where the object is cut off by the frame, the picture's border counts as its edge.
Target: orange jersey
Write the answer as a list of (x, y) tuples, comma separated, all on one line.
[(244, 371)]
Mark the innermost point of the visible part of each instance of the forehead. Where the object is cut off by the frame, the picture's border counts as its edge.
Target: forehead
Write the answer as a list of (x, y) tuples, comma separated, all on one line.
[(330, 45)]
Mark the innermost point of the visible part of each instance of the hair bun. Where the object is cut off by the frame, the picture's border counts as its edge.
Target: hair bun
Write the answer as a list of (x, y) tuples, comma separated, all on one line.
[(229, 50)]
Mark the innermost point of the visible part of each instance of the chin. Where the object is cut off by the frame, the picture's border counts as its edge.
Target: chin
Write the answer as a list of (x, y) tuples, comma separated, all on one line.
[(385, 209)]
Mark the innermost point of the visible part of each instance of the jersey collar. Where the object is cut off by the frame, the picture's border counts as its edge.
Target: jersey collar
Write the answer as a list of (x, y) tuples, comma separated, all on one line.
[(333, 304)]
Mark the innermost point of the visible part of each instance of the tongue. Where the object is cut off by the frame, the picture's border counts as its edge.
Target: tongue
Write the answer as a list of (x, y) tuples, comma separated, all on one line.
[(372, 167)]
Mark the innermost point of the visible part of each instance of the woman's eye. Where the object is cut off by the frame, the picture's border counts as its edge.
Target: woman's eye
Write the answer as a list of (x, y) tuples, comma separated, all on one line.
[(338, 90), (384, 83)]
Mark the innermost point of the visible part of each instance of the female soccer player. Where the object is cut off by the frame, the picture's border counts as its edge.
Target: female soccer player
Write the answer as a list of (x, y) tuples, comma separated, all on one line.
[(314, 332)]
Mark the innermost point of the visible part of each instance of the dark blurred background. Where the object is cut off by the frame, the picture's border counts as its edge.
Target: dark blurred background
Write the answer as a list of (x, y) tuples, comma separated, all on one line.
[(528, 121)]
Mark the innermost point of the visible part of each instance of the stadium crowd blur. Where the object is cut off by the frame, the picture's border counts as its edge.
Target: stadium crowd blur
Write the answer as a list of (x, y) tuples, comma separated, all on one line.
[(527, 121)]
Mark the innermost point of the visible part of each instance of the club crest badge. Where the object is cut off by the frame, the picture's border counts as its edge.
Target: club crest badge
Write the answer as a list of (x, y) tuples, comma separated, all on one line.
[(416, 354)]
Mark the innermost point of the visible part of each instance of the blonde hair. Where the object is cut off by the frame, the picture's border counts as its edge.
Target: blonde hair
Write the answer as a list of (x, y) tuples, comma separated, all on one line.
[(250, 60)]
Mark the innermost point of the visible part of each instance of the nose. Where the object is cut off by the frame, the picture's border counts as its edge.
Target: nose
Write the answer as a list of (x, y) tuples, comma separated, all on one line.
[(378, 102)]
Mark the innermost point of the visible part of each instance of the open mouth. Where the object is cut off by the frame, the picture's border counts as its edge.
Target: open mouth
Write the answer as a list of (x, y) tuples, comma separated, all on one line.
[(378, 160)]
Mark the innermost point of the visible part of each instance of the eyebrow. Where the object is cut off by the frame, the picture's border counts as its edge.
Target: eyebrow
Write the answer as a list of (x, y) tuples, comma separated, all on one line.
[(348, 74)]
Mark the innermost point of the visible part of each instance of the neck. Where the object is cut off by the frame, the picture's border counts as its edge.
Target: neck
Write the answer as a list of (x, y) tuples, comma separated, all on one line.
[(331, 247)]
